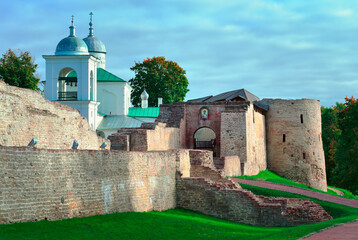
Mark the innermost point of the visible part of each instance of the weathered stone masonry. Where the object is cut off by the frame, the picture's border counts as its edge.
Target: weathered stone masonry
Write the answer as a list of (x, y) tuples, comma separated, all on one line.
[(25, 114), (294, 141), (284, 136), (39, 183), (208, 192), (150, 137), (55, 184), (239, 205), (239, 128)]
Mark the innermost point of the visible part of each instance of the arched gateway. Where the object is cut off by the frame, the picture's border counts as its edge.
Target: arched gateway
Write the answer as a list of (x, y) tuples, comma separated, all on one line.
[(205, 138)]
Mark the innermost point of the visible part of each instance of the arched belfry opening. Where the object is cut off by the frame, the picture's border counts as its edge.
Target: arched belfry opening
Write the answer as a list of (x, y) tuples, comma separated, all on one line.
[(205, 138), (67, 85)]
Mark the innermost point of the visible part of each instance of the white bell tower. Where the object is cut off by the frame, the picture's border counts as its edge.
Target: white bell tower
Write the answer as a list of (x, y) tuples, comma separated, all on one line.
[(71, 77)]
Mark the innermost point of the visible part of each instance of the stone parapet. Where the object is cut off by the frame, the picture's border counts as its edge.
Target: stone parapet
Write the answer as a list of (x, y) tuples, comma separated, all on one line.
[(149, 137), (56, 184), (26, 114)]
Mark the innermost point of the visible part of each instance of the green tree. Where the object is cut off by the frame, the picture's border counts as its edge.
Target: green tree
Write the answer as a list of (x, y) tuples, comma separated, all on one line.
[(160, 78), (18, 70), (330, 136), (346, 171)]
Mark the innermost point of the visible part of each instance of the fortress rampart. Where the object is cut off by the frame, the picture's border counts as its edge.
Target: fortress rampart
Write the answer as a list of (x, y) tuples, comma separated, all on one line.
[(294, 141), (25, 114), (239, 128), (149, 137), (56, 184)]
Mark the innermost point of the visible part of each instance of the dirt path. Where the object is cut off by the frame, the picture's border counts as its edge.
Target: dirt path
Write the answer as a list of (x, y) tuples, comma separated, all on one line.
[(318, 195), (337, 191), (348, 231)]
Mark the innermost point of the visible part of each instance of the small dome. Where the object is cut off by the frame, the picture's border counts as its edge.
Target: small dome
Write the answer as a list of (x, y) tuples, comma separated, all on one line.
[(144, 95), (94, 44), (71, 45)]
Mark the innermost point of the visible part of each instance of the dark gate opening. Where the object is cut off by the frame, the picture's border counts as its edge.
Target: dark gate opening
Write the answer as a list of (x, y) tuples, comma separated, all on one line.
[(205, 139)]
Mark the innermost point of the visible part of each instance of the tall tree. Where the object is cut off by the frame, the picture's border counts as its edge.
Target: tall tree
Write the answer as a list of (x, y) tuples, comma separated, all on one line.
[(19, 70), (346, 171), (160, 78), (330, 136)]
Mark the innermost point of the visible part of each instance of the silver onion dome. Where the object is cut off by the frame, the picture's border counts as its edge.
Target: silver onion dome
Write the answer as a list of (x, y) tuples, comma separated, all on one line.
[(93, 43), (144, 95), (72, 45)]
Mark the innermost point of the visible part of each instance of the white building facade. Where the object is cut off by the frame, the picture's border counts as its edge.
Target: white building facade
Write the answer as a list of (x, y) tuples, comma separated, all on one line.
[(76, 76)]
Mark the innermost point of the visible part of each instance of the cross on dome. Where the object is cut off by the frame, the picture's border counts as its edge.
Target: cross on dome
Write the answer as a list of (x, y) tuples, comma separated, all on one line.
[(72, 28), (72, 45), (91, 24), (91, 14)]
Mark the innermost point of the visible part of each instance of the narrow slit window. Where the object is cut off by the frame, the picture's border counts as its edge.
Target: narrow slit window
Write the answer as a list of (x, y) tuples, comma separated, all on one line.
[(301, 118), (284, 138), (304, 155)]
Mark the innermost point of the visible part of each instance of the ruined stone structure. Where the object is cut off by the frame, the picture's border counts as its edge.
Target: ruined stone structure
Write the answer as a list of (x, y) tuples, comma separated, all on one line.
[(239, 128), (25, 114), (53, 181), (281, 135), (149, 137), (56, 184)]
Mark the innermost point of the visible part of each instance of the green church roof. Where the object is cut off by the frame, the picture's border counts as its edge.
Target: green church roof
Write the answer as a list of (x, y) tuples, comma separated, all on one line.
[(102, 76), (138, 112), (105, 76)]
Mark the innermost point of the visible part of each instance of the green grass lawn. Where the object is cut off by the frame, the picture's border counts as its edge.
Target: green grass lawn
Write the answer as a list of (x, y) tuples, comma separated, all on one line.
[(274, 178), (170, 224)]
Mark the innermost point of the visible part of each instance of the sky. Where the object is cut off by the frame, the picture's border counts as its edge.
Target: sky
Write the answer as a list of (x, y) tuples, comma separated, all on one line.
[(287, 49)]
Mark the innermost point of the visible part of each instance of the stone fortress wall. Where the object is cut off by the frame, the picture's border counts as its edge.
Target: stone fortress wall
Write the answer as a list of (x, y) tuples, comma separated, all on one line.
[(294, 141), (25, 114), (285, 139), (243, 135), (57, 184), (239, 129), (149, 137), (207, 191)]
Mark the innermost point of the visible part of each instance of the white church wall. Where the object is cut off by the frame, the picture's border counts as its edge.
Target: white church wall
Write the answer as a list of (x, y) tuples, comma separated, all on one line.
[(83, 65), (114, 98), (127, 98), (88, 109), (102, 59), (99, 120)]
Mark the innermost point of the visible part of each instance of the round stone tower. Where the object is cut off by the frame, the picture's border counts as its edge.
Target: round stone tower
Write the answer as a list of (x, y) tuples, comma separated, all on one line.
[(294, 142)]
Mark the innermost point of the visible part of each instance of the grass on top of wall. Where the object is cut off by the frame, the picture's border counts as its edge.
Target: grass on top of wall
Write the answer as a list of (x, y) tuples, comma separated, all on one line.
[(274, 178), (171, 224)]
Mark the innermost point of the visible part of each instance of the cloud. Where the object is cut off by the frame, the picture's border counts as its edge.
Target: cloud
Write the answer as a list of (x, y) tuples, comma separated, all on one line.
[(286, 49), (344, 13)]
